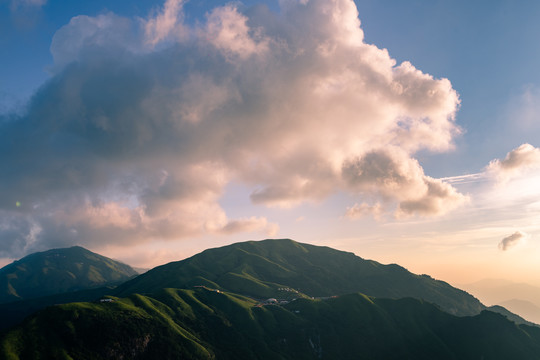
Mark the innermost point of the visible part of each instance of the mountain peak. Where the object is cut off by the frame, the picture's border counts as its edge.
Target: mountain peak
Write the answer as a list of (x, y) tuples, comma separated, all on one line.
[(59, 270), (260, 269)]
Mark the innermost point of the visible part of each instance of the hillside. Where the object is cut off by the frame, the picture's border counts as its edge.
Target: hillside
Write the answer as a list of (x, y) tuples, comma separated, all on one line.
[(260, 269), (206, 324), (58, 271)]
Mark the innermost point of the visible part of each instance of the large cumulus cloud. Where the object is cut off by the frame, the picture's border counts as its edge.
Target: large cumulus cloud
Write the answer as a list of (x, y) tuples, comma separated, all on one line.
[(147, 120)]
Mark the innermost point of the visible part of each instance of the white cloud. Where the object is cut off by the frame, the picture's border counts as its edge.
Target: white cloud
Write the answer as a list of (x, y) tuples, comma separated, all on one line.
[(18, 4), (439, 198), (394, 176), (512, 240), (248, 225), (167, 23), (130, 142), (228, 31), (523, 158), (87, 37), (358, 211)]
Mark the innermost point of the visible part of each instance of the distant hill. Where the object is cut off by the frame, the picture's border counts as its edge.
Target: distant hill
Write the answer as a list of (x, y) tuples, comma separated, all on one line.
[(58, 271), (520, 298), (262, 269), (140, 270), (202, 323), (499, 290), (525, 308), (510, 315)]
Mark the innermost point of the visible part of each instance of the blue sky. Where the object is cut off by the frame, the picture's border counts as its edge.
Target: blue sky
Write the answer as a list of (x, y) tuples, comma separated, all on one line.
[(213, 113), (486, 48)]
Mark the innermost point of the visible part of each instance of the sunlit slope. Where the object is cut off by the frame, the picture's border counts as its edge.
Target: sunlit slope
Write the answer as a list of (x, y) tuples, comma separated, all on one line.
[(260, 269), (205, 324), (57, 271)]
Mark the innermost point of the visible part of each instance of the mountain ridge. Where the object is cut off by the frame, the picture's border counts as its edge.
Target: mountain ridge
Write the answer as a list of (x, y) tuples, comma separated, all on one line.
[(186, 309), (260, 268)]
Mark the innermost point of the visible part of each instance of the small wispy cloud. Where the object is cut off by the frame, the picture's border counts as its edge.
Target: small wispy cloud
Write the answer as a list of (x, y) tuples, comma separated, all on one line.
[(512, 240), (364, 209), (22, 4), (523, 158), (465, 179), (252, 224), (519, 160)]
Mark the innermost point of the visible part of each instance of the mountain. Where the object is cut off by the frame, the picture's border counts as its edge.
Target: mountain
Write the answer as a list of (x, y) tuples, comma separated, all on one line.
[(510, 315), (203, 323), (525, 308), (274, 299), (498, 290), (262, 269), (58, 271), (520, 298)]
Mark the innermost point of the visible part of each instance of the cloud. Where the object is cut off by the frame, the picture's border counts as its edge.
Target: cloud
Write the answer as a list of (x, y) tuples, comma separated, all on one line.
[(523, 158), (86, 37), (512, 240), (25, 4), (17, 233), (391, 174), (228, 31), (166, 23), (146, 121), (524, 109), (250, 224), (439, 198), (358, 211)]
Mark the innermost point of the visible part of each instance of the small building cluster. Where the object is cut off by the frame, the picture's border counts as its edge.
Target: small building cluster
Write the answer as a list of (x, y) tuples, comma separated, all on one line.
[(288, 289)]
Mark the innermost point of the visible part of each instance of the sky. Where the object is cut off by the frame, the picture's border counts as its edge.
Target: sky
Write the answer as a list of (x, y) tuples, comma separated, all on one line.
[(148, 131)]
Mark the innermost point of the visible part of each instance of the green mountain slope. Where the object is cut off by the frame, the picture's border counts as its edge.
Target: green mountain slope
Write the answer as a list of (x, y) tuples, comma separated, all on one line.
[(204, 324), (13, 313), (260, 269), (57, 271)]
